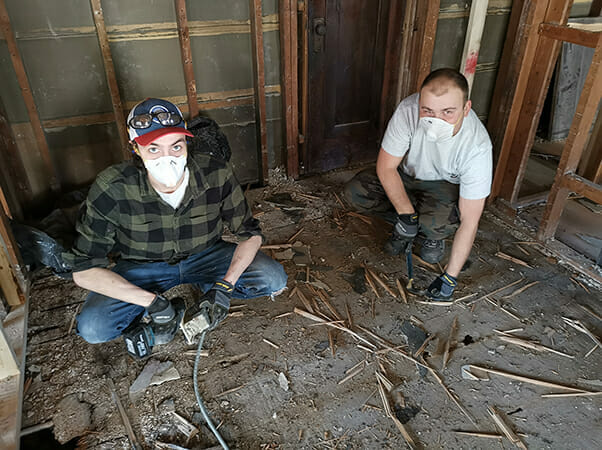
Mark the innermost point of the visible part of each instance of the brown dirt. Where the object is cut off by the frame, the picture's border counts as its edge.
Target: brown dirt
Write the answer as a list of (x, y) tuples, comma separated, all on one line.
[(318, 411)]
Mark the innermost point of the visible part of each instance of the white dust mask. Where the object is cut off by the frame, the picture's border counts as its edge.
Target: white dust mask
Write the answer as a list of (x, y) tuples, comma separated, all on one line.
[(167, 170), (437, 130)]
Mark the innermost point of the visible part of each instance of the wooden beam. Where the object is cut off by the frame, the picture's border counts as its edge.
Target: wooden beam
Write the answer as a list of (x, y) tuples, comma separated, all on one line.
[(525, 124), (259, 85), (568, 34), (11, 389), (387, 106), (427, 15), (27, 94), (150, 31), (9, 366), (184, 37), (591, 162), (472, 42), (304, 74), (579, 185), (575, 143), (404, 79), (101, 31), (288, 62)]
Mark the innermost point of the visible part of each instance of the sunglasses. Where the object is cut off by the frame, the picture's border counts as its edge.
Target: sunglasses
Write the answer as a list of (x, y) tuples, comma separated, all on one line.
[(166, 119)]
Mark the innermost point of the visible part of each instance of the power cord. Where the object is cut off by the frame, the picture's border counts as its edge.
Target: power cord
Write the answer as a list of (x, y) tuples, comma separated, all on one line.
[(199, 400)]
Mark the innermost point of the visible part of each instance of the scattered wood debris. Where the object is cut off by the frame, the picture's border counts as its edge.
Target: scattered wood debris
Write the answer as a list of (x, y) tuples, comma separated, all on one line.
[(270, 343), (525, 379), (184, 427), (401, 290), (577, 325), (126, 422), (448, 343), (520, 290), (512, 259), (497, 291), (387, 407), (505, 428), (532, 345)]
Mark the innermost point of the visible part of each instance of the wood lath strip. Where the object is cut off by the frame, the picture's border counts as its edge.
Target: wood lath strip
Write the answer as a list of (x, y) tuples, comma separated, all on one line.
[(151, 31), (207, 101)]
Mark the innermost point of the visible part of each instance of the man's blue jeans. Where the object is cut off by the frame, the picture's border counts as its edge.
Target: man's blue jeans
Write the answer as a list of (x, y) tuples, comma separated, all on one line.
[(103, 318)]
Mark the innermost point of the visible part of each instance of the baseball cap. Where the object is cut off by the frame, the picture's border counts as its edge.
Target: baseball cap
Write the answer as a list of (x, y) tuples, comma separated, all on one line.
[(153, 118)]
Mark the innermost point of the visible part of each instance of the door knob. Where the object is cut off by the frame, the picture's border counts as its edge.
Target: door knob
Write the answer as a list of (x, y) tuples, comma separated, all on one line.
[(319, 26)]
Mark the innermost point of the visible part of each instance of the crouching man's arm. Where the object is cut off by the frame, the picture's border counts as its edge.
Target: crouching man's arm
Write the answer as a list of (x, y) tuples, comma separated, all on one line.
[(243, 256), (470, 213), (386, 169), (106, 282)]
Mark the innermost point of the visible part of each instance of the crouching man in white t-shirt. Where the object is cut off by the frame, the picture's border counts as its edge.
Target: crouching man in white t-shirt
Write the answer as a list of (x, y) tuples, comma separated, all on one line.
[(433, 175)]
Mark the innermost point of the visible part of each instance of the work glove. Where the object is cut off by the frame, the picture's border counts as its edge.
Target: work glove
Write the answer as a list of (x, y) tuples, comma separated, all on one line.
[(161, 310), (442, 288), (406, 226), (216, 302), (405, 230)]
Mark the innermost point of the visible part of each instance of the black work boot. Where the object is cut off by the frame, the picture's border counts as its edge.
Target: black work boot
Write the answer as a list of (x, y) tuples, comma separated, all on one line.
[(165, 332), (432, 250)]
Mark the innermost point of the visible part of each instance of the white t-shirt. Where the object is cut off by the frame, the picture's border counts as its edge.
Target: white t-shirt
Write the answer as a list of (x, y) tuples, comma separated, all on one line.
[(465, 159)]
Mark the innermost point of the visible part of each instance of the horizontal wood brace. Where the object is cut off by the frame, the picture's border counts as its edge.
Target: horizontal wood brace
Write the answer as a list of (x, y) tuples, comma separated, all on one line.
[(581, 186), (151, 31), (207, 101), (568, 34)]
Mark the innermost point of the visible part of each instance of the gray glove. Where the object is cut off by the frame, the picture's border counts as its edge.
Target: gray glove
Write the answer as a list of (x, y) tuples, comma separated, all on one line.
[(161, 310)]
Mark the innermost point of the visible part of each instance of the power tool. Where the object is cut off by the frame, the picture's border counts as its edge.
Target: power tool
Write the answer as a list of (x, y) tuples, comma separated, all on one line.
[(196, 321), (143, 333)]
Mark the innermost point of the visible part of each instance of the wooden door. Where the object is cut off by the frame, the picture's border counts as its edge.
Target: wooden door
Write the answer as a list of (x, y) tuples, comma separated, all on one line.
[(346, 55)]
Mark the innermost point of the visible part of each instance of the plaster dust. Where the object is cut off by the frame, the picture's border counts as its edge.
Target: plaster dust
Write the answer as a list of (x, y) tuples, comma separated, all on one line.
[(241, 378)]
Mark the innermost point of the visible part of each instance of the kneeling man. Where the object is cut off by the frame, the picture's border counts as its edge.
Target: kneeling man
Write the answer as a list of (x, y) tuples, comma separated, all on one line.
[(433, 174)]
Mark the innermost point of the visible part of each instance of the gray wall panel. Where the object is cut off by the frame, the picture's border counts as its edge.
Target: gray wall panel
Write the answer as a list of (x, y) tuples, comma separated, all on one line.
[(66, 76), (151, 68), (120, 12), (80, 153), (29, 15), (222, 63)]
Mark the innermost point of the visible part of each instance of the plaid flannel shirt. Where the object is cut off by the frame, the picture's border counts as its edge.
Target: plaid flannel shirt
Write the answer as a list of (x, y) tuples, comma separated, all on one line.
[(125, 217)]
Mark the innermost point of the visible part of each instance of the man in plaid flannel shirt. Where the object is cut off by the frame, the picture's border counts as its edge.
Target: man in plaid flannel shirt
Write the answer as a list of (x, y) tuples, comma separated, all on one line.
[(161, 218)]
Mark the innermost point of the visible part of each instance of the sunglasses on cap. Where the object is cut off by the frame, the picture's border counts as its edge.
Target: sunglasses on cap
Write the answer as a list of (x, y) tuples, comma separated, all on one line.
[(165, 118)]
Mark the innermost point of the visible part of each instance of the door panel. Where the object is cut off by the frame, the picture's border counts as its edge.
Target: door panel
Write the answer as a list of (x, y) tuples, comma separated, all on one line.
[(346, 62)]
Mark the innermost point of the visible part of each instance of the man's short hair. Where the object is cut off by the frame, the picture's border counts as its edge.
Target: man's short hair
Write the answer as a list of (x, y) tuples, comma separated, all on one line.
[(449, 75)]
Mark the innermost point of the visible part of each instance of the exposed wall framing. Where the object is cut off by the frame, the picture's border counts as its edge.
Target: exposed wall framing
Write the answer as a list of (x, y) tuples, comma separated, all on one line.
[(566, 180), (32, 111), (259, 85), (288, 64), (103, 40), (541, 26), (184, 36)]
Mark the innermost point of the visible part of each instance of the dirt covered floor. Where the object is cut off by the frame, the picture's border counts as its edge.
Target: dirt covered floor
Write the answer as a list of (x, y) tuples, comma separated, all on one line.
[(273, 378)]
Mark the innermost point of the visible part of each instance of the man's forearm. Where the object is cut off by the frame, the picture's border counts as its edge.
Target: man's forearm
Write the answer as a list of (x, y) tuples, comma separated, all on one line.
[(105, 282), (243, 256), (461, 247), (388, 175)]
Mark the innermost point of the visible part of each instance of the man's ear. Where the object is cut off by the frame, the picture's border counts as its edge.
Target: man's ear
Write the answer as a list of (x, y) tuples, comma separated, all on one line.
[(467, 107), (134, 148)]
